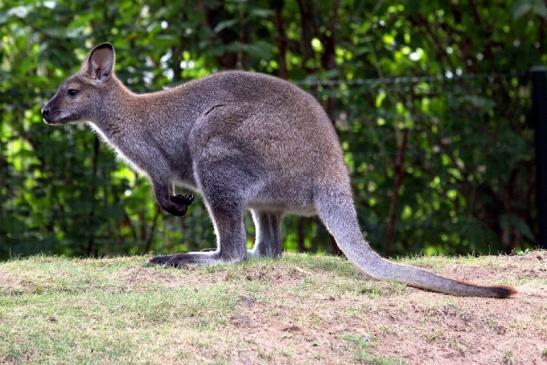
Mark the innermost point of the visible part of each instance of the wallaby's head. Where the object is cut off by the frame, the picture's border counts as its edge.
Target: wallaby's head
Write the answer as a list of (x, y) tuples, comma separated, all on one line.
[(82, 94)]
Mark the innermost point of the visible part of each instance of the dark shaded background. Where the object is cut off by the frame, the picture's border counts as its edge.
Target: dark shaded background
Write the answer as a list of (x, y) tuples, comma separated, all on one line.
[(430, 99)]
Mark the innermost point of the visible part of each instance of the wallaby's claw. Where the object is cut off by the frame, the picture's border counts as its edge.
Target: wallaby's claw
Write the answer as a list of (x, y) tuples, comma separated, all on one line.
[(183, 199), (177, 204)]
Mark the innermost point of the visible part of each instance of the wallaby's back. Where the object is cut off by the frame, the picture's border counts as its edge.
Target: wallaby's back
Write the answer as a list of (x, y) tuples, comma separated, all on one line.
[(279, 128)]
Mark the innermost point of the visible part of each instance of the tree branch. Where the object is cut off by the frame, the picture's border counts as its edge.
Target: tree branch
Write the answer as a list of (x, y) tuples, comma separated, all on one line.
[(399, 175)]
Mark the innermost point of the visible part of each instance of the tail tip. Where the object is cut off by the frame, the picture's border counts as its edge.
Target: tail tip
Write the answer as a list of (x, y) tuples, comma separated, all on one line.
[(504, 291)]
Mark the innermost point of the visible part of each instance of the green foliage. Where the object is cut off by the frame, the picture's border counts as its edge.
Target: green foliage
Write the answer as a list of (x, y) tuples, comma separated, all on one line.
[(466, 177)]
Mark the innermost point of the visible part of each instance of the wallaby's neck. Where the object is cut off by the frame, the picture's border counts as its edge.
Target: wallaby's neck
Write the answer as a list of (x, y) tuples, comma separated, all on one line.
[(122, 110), (118, 111)]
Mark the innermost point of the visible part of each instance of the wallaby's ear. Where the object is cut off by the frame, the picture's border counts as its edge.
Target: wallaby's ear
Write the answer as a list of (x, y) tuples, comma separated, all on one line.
[(100, 62)]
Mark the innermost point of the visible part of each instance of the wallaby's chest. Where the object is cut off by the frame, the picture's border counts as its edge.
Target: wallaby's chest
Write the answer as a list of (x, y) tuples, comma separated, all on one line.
[(147, 152)]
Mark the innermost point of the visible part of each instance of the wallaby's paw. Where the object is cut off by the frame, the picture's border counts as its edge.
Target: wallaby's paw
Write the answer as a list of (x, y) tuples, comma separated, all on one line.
[(177, 205), (183, 199)]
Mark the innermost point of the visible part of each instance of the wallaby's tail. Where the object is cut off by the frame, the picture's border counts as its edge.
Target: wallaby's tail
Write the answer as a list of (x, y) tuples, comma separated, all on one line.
[(337, 212)]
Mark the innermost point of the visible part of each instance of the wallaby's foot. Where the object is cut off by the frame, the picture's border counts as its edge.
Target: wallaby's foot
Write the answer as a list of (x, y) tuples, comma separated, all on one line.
[(192, 258), (185, 259)]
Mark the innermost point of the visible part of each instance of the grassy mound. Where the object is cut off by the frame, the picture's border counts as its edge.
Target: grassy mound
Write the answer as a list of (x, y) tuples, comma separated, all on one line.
[(297, 310)]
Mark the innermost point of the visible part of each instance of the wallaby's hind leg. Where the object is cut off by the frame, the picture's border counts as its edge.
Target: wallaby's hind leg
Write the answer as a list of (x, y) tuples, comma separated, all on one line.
[(230, 233), (222, 185), (268, 234)]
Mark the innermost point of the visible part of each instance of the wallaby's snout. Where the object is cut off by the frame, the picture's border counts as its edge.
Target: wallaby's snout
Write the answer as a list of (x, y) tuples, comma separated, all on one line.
[(53, 112), (48, 112), (45, 113)]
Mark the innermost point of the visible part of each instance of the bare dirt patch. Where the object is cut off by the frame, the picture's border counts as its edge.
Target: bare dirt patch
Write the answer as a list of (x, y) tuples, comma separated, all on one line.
[(135, 277), (11, 284), (407, 325)]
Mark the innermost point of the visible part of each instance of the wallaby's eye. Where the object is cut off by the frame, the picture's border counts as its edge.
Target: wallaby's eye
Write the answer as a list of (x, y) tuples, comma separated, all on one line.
[(72, 92)]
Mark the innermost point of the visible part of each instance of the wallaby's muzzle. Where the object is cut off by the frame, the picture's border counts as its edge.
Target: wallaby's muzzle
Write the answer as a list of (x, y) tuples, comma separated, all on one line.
[(49, 111), (52, 113), (46, 113)]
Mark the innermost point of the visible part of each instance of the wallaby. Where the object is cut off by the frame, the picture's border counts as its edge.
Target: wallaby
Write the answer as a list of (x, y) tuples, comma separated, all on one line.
[(243, 140)]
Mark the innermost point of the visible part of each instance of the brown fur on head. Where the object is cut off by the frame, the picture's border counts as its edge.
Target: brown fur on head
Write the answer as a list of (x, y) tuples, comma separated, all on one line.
[(82, 93)]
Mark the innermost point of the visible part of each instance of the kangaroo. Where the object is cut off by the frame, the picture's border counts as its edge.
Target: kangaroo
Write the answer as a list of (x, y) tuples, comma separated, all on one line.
[(244, 141)]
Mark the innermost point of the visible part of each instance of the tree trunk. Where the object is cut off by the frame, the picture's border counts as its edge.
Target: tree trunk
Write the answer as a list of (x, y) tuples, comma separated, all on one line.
[(399, 175), (281, 38), (91, 217), (309, 30), (214, 14)]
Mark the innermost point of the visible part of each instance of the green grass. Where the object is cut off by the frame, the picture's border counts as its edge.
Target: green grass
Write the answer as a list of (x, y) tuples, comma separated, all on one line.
[(58, 310), (299, 309), (81, 311)]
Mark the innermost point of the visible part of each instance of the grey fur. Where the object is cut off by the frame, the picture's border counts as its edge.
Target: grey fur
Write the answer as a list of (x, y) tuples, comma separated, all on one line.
[(244, 141), (268, 234)]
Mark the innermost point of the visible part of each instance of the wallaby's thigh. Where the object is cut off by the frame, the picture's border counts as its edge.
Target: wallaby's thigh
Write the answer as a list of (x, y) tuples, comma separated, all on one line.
[(226, 180)]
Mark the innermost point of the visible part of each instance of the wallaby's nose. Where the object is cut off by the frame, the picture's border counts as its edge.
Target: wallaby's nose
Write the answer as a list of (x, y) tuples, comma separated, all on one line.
[(45, 111)]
